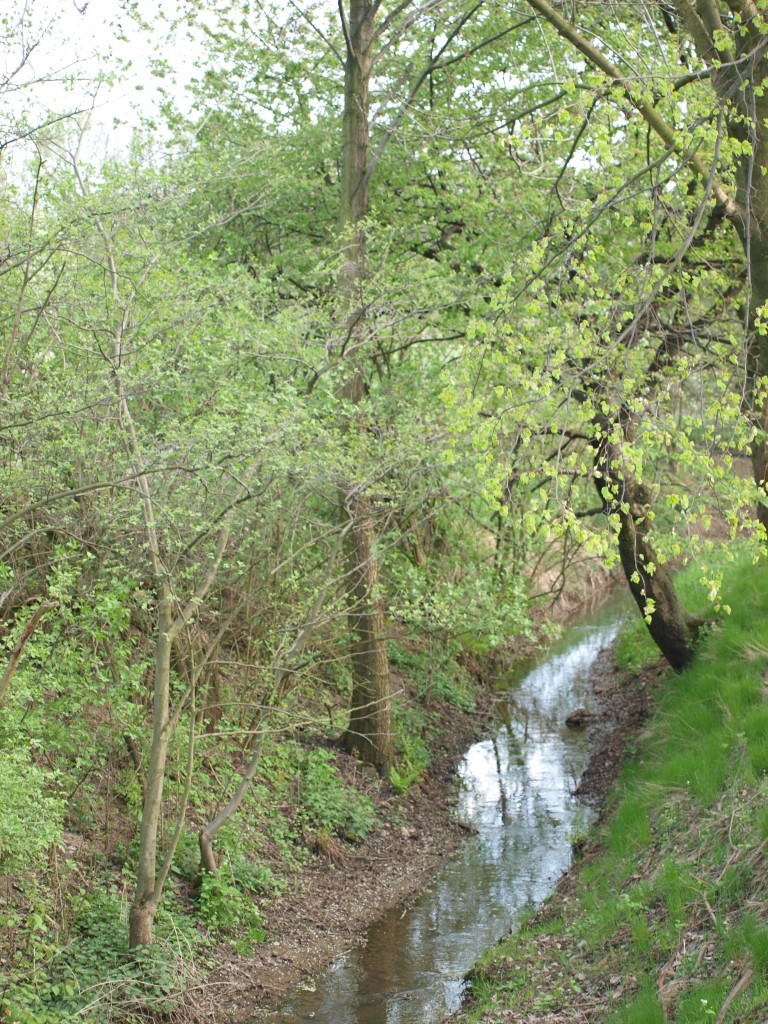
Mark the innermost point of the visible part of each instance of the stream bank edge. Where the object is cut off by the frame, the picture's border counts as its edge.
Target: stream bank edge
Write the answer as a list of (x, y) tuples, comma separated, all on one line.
[(664, 917), (336, 904)]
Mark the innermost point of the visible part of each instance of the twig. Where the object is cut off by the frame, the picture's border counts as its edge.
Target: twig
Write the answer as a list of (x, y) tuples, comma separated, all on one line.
[(730, 831), (21, 643), (744, 982), (710, 911)]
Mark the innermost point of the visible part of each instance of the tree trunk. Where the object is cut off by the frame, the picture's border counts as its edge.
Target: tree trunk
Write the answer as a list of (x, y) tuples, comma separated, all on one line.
[(147, 897), (208, 860), (141, 923), (370, 730), (748, 123), (674, 631), (757, 359)]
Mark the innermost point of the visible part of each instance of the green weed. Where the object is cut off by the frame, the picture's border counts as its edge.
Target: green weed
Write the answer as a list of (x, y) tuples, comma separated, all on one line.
[(88, 974), (644, 1008), (435, 674), (228, 911), (32, 815), (635, 650), (411, 733), (327, 804)]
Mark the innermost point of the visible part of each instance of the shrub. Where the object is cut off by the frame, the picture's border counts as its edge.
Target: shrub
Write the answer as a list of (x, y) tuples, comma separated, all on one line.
[(225, 909), (32, 817), (327, 804)]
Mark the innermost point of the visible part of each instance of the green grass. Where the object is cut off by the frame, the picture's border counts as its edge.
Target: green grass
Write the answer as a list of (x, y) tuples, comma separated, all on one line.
[(669, 912)]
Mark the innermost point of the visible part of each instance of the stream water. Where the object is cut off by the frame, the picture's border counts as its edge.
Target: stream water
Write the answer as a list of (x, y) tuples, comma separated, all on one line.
[(516, 790)]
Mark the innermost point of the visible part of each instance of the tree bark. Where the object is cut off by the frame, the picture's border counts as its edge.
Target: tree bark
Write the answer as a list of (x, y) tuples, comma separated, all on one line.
[(370, 732), (141, 922), (673, 630), (369, 735), (147, 897), (757, 355)]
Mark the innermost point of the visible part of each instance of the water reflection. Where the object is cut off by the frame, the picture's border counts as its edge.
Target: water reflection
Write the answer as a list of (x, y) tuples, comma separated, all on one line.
[(516, 790)]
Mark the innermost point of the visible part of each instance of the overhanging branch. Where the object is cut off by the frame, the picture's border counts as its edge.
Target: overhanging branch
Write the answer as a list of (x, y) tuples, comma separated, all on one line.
[(660, 126)]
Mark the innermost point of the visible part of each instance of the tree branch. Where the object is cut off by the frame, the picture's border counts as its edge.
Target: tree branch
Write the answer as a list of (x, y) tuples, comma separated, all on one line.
[(731, 210), (702, 37), (345, 29), (315, 28)]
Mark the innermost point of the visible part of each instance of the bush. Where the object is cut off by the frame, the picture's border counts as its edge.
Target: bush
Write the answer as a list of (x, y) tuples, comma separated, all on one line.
[(225, 909), (32, 817), (327, 804)]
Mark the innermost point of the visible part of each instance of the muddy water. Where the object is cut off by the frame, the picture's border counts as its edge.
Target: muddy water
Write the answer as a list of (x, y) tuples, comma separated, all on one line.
[(516, 791)]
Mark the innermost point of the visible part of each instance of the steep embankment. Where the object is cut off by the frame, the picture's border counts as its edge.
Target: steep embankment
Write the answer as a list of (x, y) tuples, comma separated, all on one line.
[(319, 848), (665, 918)]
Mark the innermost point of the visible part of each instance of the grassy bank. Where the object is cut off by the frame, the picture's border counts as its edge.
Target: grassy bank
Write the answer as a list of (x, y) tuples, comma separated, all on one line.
[(666, 917)]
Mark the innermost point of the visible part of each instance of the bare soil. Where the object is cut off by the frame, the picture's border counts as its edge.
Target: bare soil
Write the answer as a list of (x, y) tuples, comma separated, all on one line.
[(344, 890), (622, 703)]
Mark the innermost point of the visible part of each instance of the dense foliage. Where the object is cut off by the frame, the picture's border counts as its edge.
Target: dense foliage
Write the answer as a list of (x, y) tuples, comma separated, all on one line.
[(252, 426)]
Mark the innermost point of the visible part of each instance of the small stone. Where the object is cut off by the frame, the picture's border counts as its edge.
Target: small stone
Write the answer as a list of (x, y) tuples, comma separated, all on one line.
[(579, 718)]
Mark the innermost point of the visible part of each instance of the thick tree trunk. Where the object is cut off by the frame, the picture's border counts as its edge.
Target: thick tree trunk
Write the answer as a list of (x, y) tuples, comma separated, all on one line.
[(758, 359), (673, 630), (750, 125), (370, 729), (370, 732)]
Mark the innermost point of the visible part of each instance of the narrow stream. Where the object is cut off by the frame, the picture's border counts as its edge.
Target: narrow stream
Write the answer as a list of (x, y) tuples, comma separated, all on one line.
[(516, 790)]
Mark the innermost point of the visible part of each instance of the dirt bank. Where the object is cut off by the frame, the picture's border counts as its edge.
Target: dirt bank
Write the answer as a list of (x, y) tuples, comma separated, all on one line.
[(622, 704), (331, 904)]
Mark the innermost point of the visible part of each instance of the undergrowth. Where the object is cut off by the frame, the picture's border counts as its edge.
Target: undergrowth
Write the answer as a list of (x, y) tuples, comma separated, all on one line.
[(92, 976), (67, 869), (437, 679), (667, 917)]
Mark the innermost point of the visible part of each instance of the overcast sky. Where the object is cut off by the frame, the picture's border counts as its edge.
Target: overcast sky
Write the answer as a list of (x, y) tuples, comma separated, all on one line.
[(75, 43)]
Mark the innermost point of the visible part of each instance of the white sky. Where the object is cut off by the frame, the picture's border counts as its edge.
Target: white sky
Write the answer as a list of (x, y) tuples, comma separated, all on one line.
[(73, 48)]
